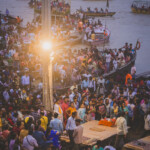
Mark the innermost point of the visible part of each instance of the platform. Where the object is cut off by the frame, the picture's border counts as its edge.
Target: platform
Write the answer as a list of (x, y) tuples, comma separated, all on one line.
[(93, 132), (141, 144)]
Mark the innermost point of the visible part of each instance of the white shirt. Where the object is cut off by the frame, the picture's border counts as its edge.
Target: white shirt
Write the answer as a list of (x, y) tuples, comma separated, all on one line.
[(108, 58), (25, 80), (71, 96), (101, 81), (58, 109), (121, 55), (28, 143), (133, 70), (115, 63), (87, 76), (121, 126), (71, 125)]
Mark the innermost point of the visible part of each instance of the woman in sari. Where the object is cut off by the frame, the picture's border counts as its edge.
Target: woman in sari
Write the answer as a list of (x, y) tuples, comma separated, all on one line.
[(71, 109), (52, 136)]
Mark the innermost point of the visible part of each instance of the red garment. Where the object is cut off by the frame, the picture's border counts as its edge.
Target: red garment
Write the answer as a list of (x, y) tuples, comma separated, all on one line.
[(64, 107), (10, 121), (5, 134), (141, 83)]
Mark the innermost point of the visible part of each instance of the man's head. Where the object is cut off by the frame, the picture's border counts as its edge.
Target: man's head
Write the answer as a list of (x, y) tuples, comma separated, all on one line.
[(72, 104), (55, 115), (74, 114), (42, 113), (66, 99), (78, 122)]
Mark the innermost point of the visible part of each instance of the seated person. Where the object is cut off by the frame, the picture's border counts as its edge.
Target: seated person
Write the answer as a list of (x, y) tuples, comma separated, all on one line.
[(52, 135)]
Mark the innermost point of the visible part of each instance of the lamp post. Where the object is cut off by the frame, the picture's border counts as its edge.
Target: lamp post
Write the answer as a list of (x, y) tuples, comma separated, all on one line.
[(47, 61)]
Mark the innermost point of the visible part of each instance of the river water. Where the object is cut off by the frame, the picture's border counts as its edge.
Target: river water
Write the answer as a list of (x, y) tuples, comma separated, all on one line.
[(125, 26)]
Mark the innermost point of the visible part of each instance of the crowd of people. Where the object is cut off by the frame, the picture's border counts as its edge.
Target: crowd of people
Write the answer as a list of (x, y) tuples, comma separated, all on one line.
[(60, 7), (57, 7), (25, 124), (95, 10), (80, 65), (141, 7)]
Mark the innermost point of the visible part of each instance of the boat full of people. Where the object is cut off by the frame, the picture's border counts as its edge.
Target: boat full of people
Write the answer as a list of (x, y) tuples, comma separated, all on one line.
[(141, 7), (57, 7), (96, 12), (8, 19), (97, 35)]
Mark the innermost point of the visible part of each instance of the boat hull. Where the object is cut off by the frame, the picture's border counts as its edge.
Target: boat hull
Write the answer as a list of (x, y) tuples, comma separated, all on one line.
[(122, 70), (140, 11), (98, 42), (99, 14)]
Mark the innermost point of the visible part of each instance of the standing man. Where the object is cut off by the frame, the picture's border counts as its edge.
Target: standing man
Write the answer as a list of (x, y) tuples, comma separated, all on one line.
[(133, 71), (122, 131), (56, 124), (70, 127), (44, 121), (77, 135)]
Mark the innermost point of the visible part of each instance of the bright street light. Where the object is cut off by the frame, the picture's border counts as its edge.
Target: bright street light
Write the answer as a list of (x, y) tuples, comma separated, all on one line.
[(46, 46)]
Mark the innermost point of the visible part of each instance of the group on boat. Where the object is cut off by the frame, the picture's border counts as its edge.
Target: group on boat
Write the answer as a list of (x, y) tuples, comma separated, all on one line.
[(96, 12), (57, 7), (8, 19), (141, 7)]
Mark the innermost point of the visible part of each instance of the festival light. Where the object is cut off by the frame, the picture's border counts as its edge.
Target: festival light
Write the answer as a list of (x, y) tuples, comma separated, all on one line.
[(46, 46)]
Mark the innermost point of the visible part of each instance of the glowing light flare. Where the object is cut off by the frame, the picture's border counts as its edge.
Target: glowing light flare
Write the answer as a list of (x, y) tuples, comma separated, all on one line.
[(46, 46)]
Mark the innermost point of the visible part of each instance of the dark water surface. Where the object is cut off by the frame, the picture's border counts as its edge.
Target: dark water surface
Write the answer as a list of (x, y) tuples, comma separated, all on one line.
[(124, 25)]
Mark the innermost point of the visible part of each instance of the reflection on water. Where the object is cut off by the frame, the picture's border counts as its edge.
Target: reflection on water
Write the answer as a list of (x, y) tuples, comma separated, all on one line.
[(125, 26)]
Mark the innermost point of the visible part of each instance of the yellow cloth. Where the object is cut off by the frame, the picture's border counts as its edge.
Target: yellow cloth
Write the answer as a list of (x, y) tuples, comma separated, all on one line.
[(93, 36), (71, 110), (44, 122), (60, 111), (26, 119), (23, 133), (116, 110), (0, 123)]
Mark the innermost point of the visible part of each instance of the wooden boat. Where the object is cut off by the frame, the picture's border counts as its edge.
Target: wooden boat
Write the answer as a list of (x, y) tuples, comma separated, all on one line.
[(125, 68), (141, 7), (54, 12), (99, 38), (10, 19), (144, 75), (74, 39), (99, 14)]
